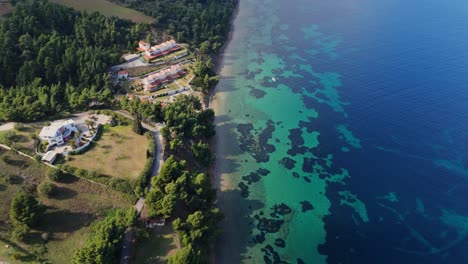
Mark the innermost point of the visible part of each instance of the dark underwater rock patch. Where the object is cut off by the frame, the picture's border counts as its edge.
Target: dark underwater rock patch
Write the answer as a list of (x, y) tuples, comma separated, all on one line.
[(296, 139), (269, 225), (306, 206), (268, 82), (288, 163), (295, 136), (260, 238), (256, 144), (280, 209), (296, 175), (257, 93), (308, 165), (280, 243), (278, 71), (307, 179), (255, 176), (308, 125), (263, 172), (271, 256), (244, 189), (300, 261)]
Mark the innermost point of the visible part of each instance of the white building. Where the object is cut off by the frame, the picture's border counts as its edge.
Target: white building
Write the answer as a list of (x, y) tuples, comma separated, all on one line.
[(58, 132), (49, 157), (163, 76)]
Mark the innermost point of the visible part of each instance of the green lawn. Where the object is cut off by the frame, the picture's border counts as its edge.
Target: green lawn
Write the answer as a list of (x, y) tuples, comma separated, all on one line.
[(107, 8), (161, 243), (119, 152), (77, 205)]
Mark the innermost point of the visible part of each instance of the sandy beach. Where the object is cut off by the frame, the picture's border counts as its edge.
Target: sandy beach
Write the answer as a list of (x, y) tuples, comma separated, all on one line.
[(231, 241)]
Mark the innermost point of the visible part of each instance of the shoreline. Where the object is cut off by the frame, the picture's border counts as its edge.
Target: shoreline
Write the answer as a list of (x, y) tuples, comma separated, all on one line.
[(218, 58), (211, 101)]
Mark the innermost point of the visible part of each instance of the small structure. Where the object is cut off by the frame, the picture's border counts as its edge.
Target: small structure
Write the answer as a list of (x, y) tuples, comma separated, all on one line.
[(58, 132), (122, 75), (143, 45), (49, 157), (155, 222)]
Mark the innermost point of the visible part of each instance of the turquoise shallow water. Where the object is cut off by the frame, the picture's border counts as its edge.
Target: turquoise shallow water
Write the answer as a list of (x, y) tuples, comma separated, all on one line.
[(341, 133)]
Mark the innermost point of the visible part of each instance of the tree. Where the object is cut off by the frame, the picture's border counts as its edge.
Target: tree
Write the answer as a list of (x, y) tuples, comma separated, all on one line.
[(205, 46), (47, 189), (19, 232), (103, 245), (25, 209), (202, 153), (55, 175), (136, 125), (186, 255), (176, 144)]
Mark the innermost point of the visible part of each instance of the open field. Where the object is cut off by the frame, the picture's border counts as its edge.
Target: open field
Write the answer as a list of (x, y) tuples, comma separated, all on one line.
[(160, 244), (22, 136), (107, 8), (76, 205), (138, 71), (119, 152)]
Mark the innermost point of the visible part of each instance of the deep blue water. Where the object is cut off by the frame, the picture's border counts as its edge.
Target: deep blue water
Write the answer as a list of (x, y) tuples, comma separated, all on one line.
[(402, 68), (405, 75)]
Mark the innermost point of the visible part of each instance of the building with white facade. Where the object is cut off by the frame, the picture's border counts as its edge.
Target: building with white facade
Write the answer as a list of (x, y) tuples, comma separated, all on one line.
[(122, 75), (58, 132), (163, 76)]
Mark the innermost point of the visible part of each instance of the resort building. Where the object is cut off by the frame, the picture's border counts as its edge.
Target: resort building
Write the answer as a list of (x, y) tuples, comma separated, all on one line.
[(161, 49), (58, 132), (153, 81), (122, 75)]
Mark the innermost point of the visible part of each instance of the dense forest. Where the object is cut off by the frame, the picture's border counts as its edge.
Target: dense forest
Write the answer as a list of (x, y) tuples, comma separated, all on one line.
[(53, 58), (193, 21)]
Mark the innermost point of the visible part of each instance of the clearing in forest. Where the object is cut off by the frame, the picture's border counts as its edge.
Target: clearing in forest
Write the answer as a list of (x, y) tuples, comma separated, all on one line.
[(107, 8)]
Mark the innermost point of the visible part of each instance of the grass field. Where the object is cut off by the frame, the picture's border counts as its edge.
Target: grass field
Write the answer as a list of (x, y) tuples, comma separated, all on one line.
[(120, 153), (160, 244), (23, 137), (107, 8), (76, 205)]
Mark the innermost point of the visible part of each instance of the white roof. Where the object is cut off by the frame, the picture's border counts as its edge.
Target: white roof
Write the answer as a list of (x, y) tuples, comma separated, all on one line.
[(49, 156), (51, 131)]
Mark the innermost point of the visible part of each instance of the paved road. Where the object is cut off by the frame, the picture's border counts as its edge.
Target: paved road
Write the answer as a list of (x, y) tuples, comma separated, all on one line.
[(158, 161), (126, 247)]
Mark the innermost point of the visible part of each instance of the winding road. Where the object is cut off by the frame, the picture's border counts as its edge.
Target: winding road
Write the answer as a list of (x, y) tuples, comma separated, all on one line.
[(157, 163)]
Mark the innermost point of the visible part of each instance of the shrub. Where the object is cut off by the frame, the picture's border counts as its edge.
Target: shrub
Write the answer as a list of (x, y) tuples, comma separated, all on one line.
[(55, 175), (25, 209), (19, 232), (47, 189)]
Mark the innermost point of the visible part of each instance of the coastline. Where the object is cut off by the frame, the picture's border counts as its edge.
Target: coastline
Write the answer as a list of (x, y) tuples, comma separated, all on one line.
[(214, 99)]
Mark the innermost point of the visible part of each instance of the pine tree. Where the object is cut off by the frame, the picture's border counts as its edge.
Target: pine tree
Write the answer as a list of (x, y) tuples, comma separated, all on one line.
[(136, 126)]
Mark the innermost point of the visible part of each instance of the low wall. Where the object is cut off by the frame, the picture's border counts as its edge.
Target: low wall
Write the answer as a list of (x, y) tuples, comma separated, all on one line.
[(98, 130)]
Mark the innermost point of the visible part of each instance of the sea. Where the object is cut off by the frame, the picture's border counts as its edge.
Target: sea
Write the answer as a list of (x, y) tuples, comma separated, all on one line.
[(342, 133)]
